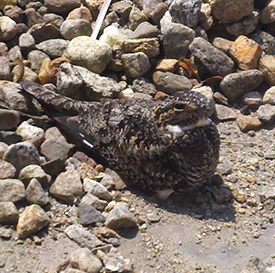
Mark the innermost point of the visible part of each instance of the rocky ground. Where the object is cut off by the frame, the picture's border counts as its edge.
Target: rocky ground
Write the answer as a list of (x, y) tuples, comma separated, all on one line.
[(61, 210)]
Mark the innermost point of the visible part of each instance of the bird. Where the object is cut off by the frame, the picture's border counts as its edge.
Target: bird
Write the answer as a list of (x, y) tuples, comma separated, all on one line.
[(159, 145)]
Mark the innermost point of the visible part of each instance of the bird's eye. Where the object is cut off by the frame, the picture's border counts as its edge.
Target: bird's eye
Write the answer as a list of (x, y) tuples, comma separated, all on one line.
[(179, 106)]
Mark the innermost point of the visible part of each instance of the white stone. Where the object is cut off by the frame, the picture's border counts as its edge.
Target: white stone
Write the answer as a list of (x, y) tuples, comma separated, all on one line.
[(111, 35)]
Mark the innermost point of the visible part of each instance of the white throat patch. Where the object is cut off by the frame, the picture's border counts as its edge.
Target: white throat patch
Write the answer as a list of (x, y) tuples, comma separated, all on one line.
[(177, 128)]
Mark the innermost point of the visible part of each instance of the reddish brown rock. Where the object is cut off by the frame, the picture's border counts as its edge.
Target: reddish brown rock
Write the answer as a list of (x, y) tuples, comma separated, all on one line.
[(246, 52), (247, 123)]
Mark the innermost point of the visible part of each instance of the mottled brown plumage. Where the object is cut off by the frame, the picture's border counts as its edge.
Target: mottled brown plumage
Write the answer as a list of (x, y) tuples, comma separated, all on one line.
[(154, 144)]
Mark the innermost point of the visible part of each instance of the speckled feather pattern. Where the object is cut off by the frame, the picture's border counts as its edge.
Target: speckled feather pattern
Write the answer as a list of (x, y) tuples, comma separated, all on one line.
[(135, 136)]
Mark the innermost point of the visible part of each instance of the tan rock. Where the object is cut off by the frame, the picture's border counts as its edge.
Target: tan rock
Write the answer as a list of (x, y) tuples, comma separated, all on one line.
[(44, 72), (80, 13), (31, 220), (170, 65), (3, 3), (247, 123), (246, 52), (267, 67), (268, 14), (222, 44)]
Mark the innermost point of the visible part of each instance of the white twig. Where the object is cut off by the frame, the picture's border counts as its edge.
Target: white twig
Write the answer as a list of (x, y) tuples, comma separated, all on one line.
[(100, 18)]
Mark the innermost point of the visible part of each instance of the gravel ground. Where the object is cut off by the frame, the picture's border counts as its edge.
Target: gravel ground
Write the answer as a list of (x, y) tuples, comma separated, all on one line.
[(184, 233)]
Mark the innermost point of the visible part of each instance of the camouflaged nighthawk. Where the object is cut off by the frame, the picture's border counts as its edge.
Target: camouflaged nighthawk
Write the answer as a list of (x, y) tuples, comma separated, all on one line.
[(160, 145)]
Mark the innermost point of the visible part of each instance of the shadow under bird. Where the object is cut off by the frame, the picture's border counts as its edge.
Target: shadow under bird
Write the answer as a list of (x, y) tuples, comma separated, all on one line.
[(158, 145)]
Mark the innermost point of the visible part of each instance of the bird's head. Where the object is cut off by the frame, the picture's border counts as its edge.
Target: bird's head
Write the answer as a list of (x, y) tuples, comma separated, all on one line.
[(185, 108)]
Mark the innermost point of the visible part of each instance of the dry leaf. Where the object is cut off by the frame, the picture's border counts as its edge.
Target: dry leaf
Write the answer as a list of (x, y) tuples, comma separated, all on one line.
[(190, 67)]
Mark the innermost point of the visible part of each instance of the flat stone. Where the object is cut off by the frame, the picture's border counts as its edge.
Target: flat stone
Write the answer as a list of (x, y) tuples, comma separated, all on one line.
[(36, 57), (8, 213), (75, 27), (57, 148), (222, 44), (11, 94), (170, 65), (34, 171), (63, 6), (120, 217), (252, 99), (80, 13), (44, 31), (22, 154), (8, 28), (135, 64), (215, 61), (5, 68), (88, 215), (222, 194), (67, 186), (235, 85), (246, 52), (97, 189), (26, 42), (94, 201), (185, 12), (171, 83), (30, 133), (266, 113), (82, 236), (9, 119), (53, 47), (54, 19), (136, 17), (85, 260), (31, 220), (229, 11), (247, 123), (269, 95), (149, 46), (245, 26), (145, 30), (12, 190), (267, 67), (89, 53), (176, 39), (7, 170), (35, 194), (225, 113)]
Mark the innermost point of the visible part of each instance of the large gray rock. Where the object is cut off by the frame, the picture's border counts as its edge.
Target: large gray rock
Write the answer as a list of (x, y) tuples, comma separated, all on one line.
[(22, 154), (229, 11), (88, 215), (12, 190), (135, 64), (235, 85), (67, 186), (7, 170), (215, 61), (34, 171), (31, 220), (82, 236), (9, 119), (171, 83), (8, 28), (75, 27), (53, 47), (8, 213), (176, 39), (85, 260), (120, 217), (266, 113), (35, 194), (185, 11), (5, 68), (62, 6), (89, 53)]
